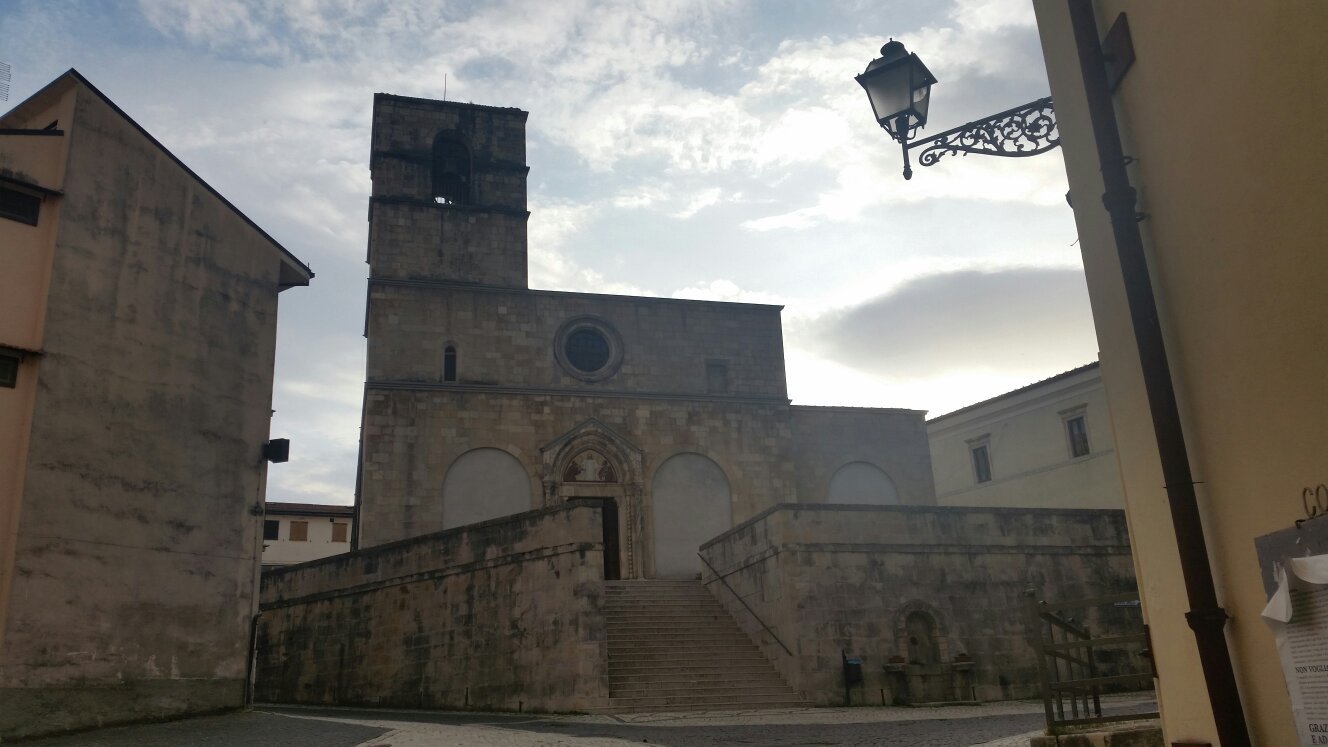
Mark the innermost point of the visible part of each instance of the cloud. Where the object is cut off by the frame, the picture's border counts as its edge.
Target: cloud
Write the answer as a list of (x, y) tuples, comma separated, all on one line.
[(726, 290), (1034, 320), (698, 148)]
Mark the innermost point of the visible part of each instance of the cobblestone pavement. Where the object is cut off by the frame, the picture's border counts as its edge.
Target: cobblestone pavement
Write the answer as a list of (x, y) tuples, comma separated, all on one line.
[(991, 725)]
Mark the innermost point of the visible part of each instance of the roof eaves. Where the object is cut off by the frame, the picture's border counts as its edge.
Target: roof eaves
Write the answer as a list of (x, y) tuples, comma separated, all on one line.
[(293, 262), (1014, 392)]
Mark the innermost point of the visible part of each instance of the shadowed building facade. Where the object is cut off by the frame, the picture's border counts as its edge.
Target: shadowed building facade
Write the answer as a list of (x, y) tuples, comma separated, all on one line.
[(530, 456), (485, 398), (138, 315)]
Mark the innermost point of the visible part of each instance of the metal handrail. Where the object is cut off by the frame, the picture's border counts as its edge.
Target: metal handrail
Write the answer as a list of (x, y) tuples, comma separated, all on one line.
[(742, 601)]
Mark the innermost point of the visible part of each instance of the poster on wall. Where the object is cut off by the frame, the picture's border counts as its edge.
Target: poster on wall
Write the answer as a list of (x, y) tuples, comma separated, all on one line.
[(1297, 612)]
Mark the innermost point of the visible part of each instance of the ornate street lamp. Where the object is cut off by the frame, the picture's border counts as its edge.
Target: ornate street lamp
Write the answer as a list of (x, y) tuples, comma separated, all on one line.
[(899, 88)]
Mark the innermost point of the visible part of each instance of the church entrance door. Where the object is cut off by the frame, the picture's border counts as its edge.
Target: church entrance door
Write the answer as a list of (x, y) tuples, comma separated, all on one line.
[(612, 547)]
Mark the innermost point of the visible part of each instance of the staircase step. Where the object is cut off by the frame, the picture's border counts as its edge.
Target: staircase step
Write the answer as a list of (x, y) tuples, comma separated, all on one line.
[(645, 635), (673, 646), (666, 678), (701, 690), (701, 703), (752, 669)]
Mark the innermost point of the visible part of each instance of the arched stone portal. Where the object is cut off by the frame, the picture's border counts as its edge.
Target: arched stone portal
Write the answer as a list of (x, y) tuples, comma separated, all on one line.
[(593, 462), (692, 504), (484, 484), (862, 482)]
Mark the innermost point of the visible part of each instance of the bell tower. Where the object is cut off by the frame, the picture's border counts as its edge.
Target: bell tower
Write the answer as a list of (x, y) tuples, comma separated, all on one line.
[(449, 192)]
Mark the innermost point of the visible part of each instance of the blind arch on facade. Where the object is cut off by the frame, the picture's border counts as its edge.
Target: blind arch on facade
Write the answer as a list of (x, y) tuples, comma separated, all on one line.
[(863, 483)]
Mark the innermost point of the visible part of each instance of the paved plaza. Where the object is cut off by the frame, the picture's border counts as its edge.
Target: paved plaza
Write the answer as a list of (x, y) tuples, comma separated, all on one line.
[(991, 725)]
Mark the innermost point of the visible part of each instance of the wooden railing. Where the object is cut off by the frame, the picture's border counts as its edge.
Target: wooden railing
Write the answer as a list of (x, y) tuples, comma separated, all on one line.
[(1069, 667)]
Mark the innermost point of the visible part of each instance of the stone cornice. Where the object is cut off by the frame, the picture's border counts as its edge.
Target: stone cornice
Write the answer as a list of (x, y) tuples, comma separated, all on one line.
[(422, 386)]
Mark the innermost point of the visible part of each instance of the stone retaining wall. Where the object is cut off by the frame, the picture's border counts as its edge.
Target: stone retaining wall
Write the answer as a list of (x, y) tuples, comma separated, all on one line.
[(829, 579), (501, 615)]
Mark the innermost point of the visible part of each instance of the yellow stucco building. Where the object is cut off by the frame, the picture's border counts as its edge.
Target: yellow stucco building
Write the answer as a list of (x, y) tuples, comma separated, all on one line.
[(1221, 113)]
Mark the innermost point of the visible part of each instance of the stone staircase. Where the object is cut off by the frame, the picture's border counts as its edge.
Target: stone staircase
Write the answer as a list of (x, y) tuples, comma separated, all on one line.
[(673, 647)]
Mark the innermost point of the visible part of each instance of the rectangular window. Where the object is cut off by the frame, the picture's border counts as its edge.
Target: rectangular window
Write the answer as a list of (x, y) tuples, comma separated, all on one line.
[(339, 532), (717, 377), (19, 206), (299, 531), (8, 370), (981, 463), (1077, 431), (271, 528)]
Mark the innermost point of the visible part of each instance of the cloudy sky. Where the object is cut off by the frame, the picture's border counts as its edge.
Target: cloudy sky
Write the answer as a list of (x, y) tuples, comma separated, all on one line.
[(714, 149)]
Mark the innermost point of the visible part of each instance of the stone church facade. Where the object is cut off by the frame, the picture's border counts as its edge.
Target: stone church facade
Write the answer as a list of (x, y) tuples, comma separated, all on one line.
[(485, 398), (523, 448)]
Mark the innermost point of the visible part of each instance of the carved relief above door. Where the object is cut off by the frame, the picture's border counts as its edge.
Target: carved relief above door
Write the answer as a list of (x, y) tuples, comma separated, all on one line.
[(592, 461)]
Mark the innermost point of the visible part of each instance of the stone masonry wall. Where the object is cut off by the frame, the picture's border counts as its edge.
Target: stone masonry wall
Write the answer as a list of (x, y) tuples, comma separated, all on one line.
[(424, 241), (482, 240), (404, 473), (507, 337), (501, 615), (833, 578), (895, 440)]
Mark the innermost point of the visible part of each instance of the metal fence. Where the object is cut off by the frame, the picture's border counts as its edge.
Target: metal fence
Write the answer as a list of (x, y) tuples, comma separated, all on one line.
[(1075, 668)]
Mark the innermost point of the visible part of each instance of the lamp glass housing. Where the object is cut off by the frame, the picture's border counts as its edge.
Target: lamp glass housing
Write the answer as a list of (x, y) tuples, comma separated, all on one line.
[(899, 91)]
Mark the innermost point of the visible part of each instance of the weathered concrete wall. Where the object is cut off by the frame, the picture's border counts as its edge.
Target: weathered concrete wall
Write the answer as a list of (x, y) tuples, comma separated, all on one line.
[(502, 615), (832, 578), (135, 558)]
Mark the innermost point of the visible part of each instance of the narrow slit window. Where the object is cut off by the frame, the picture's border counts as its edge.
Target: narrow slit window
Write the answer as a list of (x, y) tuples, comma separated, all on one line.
[(449, 363), (1076, 429)]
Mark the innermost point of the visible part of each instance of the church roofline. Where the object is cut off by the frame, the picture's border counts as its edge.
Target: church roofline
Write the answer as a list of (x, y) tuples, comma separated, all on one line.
[(850, 408), (424, 386), (438, 104), (479, 287)]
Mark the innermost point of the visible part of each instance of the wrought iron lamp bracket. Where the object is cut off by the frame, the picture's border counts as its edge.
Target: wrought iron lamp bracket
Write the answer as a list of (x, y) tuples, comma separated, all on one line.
[(1025, 130)]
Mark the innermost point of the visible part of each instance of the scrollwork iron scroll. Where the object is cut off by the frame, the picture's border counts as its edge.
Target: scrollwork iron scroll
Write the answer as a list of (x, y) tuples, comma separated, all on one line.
[(1014, 133)]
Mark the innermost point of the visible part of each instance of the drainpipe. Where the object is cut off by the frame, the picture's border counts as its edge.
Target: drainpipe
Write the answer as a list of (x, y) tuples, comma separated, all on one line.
[(1206, 617)]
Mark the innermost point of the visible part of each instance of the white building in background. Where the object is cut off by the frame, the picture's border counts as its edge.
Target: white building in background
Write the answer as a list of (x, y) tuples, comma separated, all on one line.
[(1046, 445), (298, 532)]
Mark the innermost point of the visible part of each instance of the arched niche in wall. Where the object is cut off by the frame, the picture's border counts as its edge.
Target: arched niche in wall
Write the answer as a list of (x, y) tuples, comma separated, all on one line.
[(861, 482), (692, 504), (921, 634), (484, 484)]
